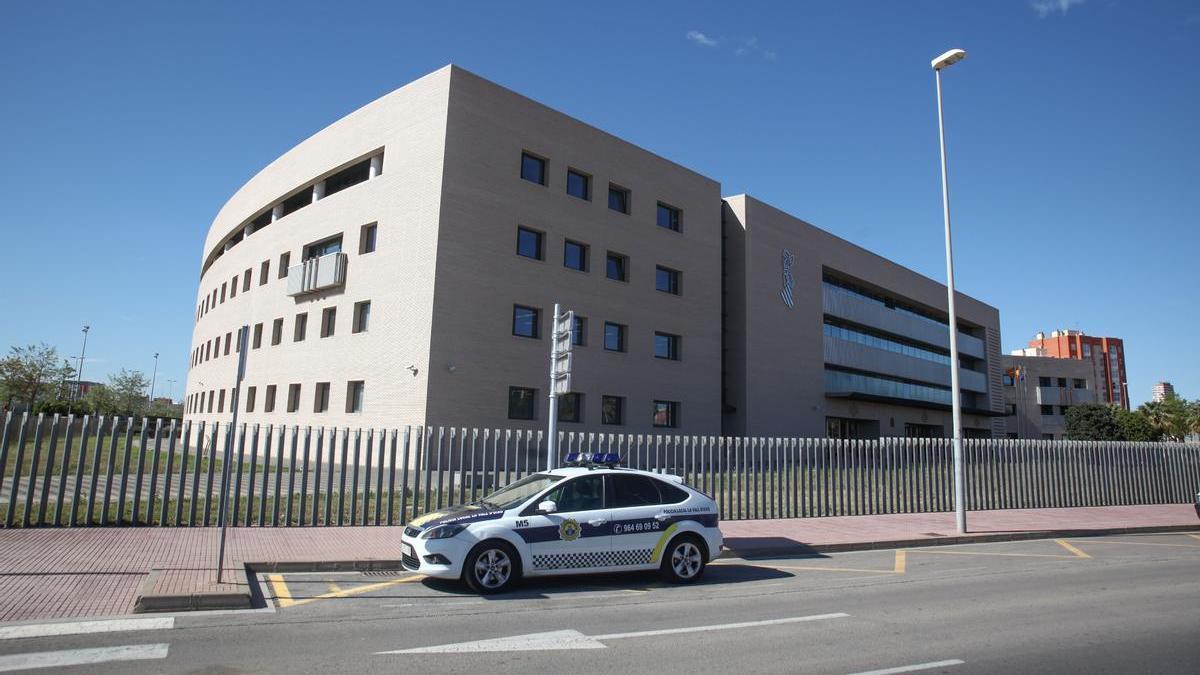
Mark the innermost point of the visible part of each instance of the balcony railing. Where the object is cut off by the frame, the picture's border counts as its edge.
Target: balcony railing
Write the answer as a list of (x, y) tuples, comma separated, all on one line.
[(317, 274)]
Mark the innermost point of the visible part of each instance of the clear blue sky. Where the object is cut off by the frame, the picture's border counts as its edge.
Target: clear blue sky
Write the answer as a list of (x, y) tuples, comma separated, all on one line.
[(1074, 132)]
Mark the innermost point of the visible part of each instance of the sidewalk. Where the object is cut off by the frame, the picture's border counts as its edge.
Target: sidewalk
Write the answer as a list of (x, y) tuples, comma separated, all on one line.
[(60, 573)]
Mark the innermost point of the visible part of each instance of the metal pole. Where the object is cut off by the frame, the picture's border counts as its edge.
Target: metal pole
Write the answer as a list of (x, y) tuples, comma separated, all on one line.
[(79, 371), (960, 512), (241, 372), (552, 424), (153, 376)]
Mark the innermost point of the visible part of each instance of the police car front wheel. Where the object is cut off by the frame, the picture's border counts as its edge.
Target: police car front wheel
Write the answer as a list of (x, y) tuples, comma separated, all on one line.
[(683, 560), (491, 567)]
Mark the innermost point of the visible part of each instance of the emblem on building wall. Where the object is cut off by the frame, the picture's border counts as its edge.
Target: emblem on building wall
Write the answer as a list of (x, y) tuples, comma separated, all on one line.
[(788, 282)]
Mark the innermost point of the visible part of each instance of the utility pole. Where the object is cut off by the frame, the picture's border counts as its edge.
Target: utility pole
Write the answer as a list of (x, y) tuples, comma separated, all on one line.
[(150, 401), (222, 510), (79, 371)]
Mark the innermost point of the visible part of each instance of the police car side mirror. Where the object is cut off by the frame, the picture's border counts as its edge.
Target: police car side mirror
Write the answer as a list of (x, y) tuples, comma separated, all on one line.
[(547, 506)]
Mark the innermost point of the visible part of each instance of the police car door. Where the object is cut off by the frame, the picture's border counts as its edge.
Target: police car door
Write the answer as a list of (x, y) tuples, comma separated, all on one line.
[(638, 519), (576, 536)]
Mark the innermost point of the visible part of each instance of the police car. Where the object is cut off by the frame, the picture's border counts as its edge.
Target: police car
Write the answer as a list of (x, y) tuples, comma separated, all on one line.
[(591, 516)]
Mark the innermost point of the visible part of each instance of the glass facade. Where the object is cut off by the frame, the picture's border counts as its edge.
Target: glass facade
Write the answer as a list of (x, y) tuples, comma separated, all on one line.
[(888, 344), (835, 285), (881, 385)]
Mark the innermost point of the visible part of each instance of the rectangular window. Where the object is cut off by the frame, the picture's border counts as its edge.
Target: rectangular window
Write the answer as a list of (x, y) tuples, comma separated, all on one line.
[(269, 399), (533, 169), (250, 394), (579, 331), (666, 280), (258, 335), (228, 339), (617, 266), (328, 321), (293, 402), (221, 401), (354, 396), (1010, 409), (612, 410), (1008, 380), (1062, 382), (323, 247), (1047, 409), (264, 271), (223, 292), (575, 256), (366, 238), (522, 402), (666, 346), (1044, 382), (246, 280), (614, 337), (300, 327), (321, 399), (233, 286), (668, 217), (579, 184), (362, 316), (217, 347), (348, 177), (285, 259), (570, 407), (666, 414), (1079, 383), (618, 198), (526, 321), (212, 400), (277, 332), (529, 243), (208, 350)]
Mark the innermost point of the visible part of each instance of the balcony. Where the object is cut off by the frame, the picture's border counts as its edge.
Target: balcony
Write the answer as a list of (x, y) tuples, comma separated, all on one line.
[(317, 274), (852, 307)]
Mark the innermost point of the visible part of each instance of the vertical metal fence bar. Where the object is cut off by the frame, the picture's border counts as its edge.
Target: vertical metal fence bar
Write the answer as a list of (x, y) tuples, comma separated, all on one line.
[(304, 479), (330, 469), (266, 475), (6, 438), (31, 481), (240, 439), (84, 430), (291, 481), (379, 475), (341, 507), (251, 484), (354, 477), (48, 477), (366, 483), (154, 464), (141, 463), (111, 469), (97, 450), (183, 468), (277, 503), (391, 500), (126, 455), (422, 448), (212, 465), (441, 464)]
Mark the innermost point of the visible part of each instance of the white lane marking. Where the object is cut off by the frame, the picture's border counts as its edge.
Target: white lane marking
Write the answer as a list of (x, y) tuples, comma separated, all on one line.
[(919, 666), (722, 626), (573, 639), (84, 627), (553, 640), (79, 657)]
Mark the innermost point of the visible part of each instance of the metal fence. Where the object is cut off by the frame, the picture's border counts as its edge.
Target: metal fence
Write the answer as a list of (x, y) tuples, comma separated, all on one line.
[(82, 471)]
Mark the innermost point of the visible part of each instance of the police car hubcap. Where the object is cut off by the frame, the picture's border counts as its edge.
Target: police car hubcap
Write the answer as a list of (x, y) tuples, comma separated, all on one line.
[(686, 560), (492, 568)]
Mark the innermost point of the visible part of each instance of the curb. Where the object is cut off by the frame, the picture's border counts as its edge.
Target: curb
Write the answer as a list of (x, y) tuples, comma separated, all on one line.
[(148, 601), (798, 548)]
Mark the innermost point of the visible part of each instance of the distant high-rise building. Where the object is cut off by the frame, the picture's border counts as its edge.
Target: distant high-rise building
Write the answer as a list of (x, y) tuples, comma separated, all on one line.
[(1163, 390), (1106, 354)]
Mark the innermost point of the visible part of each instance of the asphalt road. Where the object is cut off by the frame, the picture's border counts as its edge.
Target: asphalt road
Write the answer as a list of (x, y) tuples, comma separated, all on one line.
[(1111, 604)]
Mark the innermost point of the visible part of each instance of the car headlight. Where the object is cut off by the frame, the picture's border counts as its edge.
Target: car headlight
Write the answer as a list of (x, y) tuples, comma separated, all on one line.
[(444, 531)]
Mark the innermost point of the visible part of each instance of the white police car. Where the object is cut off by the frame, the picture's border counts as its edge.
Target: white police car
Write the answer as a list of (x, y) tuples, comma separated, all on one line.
[(591, 517)]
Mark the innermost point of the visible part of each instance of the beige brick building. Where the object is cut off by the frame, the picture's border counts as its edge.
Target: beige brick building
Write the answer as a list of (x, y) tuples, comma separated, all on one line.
[(401, 266)]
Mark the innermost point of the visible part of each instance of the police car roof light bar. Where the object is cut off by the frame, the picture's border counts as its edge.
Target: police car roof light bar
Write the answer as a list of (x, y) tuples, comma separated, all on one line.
[(595, 459)]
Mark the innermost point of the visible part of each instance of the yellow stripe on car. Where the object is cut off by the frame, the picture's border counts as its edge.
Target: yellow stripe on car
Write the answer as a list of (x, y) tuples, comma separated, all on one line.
[(656, 555)]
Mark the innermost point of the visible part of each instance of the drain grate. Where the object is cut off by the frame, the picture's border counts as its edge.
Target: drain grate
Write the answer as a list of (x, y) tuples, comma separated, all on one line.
[(383, 573)]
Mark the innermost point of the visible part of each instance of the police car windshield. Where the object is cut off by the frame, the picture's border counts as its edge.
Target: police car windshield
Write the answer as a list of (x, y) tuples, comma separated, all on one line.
[(515, 494)]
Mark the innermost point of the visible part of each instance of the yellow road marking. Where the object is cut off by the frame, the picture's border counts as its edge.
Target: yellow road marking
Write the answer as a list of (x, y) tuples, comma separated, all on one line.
[(282, 595), (1194, 536), (1006, 555), (1065, 544), (334, 587), (897, 568), (901, 562), (354, 591), (1141, 543)]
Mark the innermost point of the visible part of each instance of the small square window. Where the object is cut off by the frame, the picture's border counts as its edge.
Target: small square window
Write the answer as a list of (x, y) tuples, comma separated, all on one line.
[(269, 399), (579, 331), (250, 394), (522, 403), (533, 169), (614, 337), (666, 280), (293, 402), (354, 396), (617, 266), (300, 328), (612, 410), (526, 321), (579, 184), (570, 407), (618, 198), (328, 321), (323, 248), (666, 346), (1047, 409), (362, 316), (284, 260), (1044, 382), (321, 399), (276, 332), (366, 239), (666, 414), (529, 243), (264, 271), (575, 256), (669, 217)]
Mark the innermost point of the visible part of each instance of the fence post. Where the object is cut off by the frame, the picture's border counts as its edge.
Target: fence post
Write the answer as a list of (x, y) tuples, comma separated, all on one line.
[(72, 521)]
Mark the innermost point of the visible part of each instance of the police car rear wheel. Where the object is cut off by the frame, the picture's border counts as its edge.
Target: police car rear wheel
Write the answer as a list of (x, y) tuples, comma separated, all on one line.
[(684, 560), (491, 567)]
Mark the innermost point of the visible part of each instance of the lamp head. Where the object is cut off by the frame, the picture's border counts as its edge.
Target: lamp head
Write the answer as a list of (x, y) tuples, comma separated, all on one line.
[(949, 58)]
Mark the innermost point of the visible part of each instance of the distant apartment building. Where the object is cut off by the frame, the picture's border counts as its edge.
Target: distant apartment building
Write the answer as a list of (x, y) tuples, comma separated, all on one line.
[(1106, 354), (401, 267), (1038, 391), (1162, 391)]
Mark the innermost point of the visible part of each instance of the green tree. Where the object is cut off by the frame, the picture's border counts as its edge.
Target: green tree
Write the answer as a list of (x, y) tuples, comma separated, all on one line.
[(1135, 426), (1092, 422), (129, 388), (1170, 416), (100, 400), (32, 373)]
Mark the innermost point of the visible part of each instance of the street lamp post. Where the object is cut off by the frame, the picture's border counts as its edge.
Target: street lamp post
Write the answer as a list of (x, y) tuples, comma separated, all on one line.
[(79, 371), (153, 376), (171, 390), (960, 510)]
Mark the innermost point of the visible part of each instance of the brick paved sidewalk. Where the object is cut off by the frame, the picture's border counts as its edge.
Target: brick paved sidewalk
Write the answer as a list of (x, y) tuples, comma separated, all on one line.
[(58, 573)]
